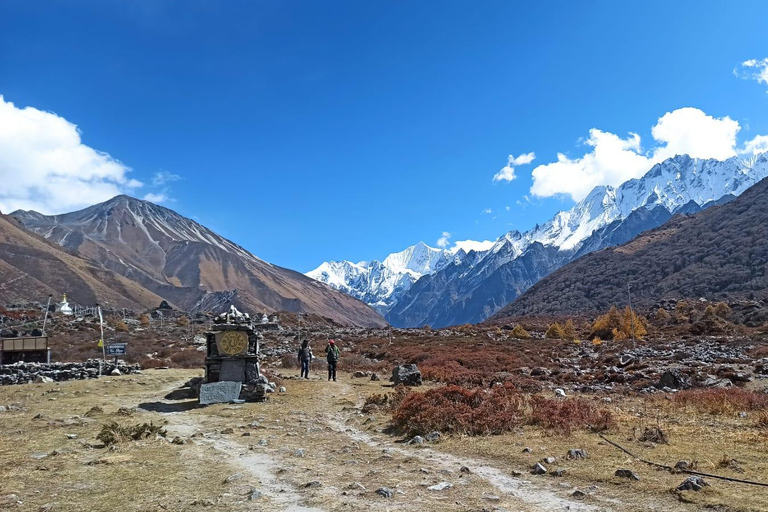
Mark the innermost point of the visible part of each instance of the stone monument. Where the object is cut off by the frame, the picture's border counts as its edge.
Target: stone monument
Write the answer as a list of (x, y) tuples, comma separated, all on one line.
[(233, 356)]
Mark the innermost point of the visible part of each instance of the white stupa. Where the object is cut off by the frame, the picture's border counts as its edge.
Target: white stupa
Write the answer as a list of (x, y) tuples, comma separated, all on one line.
[(63, 306)]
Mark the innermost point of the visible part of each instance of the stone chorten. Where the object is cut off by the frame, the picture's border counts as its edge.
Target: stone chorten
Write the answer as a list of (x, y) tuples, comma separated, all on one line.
[(233, 354)]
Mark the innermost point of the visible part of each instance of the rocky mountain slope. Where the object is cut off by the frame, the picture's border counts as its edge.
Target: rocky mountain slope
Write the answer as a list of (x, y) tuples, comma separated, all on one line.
[(476, 287), (720, 253), (31, 268), (188, 264)]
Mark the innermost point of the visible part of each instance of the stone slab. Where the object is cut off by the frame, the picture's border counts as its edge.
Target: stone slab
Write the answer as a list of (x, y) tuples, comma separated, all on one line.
[(219, 392), (232, 370)]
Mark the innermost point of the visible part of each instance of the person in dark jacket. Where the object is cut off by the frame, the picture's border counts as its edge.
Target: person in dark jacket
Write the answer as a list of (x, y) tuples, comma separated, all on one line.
[(305, 357), (332, 355)]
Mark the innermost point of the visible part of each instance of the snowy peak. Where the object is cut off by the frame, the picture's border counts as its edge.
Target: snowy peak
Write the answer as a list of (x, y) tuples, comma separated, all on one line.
[(417, 259), (382, 283), (672, 184)]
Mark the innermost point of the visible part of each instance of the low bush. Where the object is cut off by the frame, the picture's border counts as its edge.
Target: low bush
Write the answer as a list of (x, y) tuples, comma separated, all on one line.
[(113, 433), (722, 401), (479, 411), (564, 416), (387, 401), (520, 332), (189, 358)]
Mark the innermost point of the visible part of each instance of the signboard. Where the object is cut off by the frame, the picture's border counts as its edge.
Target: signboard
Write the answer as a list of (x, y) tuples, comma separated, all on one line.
[(116, 349)]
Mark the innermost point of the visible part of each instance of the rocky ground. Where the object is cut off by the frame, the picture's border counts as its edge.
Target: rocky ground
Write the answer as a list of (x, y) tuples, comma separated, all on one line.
[(312, 448)]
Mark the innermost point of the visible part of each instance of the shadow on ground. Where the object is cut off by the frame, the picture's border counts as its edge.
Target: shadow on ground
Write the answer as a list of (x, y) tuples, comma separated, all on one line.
[(164, 407)]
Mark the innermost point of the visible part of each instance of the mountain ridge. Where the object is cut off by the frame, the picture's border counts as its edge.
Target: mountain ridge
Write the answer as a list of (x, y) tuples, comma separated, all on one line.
[(188, 264), (606, 216), (719, 253)]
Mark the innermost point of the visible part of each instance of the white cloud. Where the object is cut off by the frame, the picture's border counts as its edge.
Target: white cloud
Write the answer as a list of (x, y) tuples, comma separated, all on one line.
[(472, 245), (163, 177), (487, 211), (507, 173), (444, 240), (614, 160), (689, 131), (753, 69), (156, 198), (44, 165), (755, 146)]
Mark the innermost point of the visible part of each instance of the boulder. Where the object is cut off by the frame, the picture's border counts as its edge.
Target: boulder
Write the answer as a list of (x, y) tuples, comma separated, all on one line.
[(626, 473), (673, 379), (408, 375), (692, 483)]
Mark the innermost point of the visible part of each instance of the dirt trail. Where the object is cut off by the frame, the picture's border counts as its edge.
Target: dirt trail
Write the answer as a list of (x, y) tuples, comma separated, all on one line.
[(314, 455)]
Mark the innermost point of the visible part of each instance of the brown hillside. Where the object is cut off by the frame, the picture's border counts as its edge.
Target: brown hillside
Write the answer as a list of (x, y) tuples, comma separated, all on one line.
[(188, 264), (31, 268), (719, 254)]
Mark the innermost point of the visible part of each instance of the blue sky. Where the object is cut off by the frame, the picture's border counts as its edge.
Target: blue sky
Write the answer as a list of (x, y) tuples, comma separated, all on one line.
[(309, 131)]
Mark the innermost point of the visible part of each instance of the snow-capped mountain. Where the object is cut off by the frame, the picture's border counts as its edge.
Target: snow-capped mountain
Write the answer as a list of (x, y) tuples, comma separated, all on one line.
[(465, 291), (381, 283)]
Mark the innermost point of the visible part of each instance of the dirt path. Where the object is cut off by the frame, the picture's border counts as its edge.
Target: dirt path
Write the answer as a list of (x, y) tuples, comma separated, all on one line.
[(308, 450)]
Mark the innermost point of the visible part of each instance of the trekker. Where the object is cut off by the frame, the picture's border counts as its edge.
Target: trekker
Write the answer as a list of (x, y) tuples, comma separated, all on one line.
[(332, 355), (305, 357)]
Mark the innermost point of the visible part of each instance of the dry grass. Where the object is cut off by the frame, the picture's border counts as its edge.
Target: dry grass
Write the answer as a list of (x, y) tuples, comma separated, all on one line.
[(693, 436), (43, 466)]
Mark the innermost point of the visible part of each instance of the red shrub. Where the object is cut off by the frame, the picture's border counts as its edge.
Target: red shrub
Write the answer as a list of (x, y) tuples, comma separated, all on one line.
[(456, 409), (493, 411), (563, 416)]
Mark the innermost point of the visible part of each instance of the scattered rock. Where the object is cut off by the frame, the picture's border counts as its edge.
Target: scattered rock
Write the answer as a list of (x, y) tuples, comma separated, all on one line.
[(433, 436), (538, 469), (684, 464), (654, 435), (254, 494), (626, 473), (465, 469), (579, 495), (359, 374), (115, 372), (42, 379), (228, 430), (692, 483), (577, 453), (356, 486), (178, 440), (313, 484), (548, 460), (93, 411), (408, 375), (233, 478), (416, 440), (282, 389), (71, 436), (527, 449), (558, 472), (375, 377), (673, 379), (440, 487), (560, 393), (299, 452), (385, 492)]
